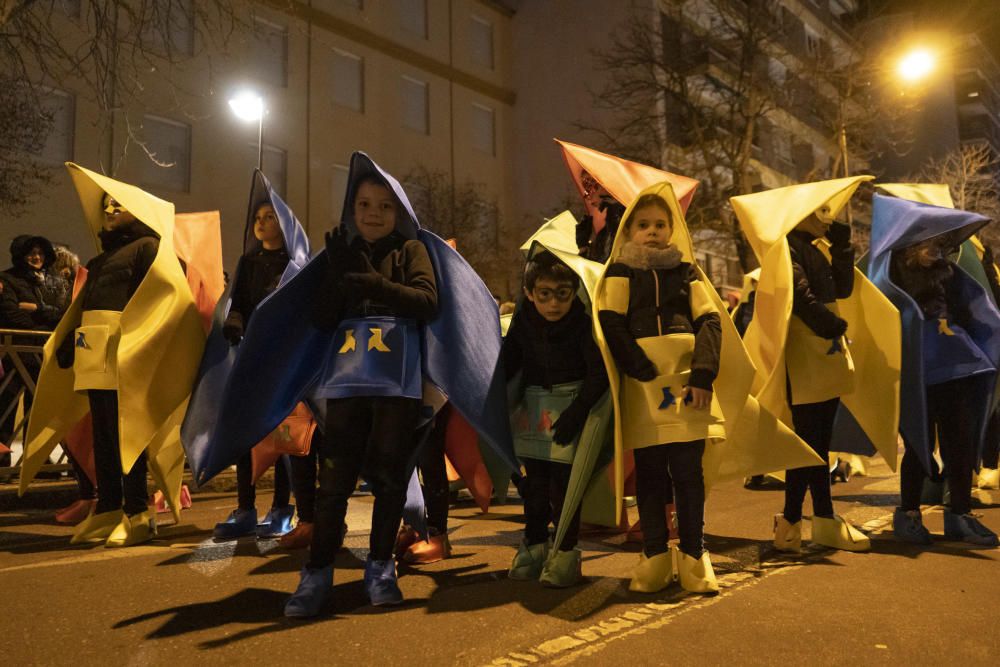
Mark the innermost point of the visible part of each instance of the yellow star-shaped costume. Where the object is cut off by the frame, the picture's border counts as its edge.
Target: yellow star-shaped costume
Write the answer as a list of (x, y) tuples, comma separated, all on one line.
[(743, 438), (160, 346), (871, 393)]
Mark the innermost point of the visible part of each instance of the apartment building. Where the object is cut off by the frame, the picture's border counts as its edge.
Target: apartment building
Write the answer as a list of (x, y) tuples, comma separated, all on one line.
[(412, 82)]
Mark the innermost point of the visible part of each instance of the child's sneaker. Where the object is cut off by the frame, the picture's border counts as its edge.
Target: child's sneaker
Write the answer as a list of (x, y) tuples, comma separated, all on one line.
[(908, 526), (967, 528), (239, 524), (277, 522)]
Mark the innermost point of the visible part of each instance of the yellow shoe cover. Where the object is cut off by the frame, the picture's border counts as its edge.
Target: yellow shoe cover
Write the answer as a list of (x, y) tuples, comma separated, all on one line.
[(133, 530), (652, 574), (838, 534), (96, 527), (695, 574), (989, 478), (787, 536)]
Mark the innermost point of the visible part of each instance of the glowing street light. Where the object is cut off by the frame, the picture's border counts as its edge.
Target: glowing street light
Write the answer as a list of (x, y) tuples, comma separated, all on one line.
[(249, 106), (916, 65)]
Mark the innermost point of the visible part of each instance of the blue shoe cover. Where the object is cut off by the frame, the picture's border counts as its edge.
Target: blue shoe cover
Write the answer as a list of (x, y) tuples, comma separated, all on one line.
[(967, 528), (314, 592), (239, 523), (278, 522), (908, 526), (380, 582)]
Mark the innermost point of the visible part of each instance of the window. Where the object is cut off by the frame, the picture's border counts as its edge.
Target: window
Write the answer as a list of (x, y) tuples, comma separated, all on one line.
[(349, 80), (484, 129), (481, 41), (275, 168), (269, 54), (413, 16), (338, 190), (169, 28), (169, 144), (60, 108), (813, 42), (414, 105)]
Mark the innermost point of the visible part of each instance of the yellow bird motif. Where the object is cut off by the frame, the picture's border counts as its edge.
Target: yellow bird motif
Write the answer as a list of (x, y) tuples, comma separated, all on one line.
[(375, 341), (349, 343)]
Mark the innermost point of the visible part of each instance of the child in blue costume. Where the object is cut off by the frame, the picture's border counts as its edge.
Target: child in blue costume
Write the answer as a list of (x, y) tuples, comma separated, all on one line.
[(379, 287), (550, 341), (258, 274)]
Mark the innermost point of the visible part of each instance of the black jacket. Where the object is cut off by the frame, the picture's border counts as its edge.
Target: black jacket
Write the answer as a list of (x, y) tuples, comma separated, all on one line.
[(258, 274), (393, 276), (660, 304), (550, 353), (817, 282), (23, 284), (598, 249), (115, 275)]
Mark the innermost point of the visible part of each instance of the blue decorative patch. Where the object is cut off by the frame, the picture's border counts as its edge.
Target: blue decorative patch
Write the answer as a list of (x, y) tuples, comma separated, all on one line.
[(836, 347), (81, 340), (668, 398)]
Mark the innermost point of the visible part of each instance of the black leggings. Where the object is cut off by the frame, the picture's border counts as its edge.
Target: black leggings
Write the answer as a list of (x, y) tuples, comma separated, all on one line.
[(657, 468), (950, 415), (116, 490), (814, 424), (434, 475), (545, 492), (991, 447), (374, 436), (246, 492), (304, 479)]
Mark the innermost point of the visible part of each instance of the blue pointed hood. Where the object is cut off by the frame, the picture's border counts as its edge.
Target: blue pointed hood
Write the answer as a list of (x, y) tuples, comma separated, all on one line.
[(900, 223), (219, 357), (281, 356)]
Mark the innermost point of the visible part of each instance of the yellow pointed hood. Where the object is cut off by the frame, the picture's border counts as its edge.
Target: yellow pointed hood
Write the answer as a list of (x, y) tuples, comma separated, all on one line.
[(873, 322), (557, 235), (755, 442), (935, 194), (158, 354)]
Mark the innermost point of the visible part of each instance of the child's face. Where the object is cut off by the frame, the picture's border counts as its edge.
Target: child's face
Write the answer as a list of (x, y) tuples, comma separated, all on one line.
[(650, 226), (266, 227), (374, 211), (35, 258), (115, 215), (926, 253), (552, 299)]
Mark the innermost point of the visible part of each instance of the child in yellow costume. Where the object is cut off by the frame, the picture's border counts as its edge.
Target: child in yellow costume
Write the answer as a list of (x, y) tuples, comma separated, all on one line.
[(127, 348)]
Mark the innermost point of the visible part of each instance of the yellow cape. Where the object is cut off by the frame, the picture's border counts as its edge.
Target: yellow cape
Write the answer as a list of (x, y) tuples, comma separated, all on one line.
[(755, 441), (158, 355), (873, 322)]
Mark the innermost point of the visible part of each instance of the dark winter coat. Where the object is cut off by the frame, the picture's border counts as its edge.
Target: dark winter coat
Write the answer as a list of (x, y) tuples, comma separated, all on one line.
[(115, 275), (817, 282), (392, 277), (550, 353), (258, 273), (660, 304), (23, 284)]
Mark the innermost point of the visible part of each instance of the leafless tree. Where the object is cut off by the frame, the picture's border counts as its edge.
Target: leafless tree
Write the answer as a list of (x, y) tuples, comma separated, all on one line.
[(110, 50), (462, 211), (970, 173)]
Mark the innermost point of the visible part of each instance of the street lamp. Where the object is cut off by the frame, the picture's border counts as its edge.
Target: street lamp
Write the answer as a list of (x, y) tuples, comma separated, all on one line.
[(916, 65), (249, 106)]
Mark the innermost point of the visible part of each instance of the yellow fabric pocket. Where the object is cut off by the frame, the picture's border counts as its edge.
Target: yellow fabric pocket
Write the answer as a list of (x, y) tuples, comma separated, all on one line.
[(95, 363), (819, 369), (654, 412)]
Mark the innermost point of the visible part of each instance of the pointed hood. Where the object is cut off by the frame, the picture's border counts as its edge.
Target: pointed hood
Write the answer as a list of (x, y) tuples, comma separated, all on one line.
[(296, 240), (898, 223), (363, 167), (623, 179)]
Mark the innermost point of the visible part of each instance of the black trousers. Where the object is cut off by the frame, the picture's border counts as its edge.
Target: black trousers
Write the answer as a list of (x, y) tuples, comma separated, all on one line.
[(545, 491), (246, 492), (813, 423), (374, 436), (656, 469), (991, 448), (116, 489), (434, 475), (304, 479), (949, 414)]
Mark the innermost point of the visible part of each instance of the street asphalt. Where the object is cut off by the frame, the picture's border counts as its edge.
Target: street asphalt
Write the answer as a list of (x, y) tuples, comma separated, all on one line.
[(184, 598)]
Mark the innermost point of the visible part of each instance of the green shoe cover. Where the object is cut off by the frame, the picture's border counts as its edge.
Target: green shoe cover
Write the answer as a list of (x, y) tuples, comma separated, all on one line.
[(528, 562), (562, 569)]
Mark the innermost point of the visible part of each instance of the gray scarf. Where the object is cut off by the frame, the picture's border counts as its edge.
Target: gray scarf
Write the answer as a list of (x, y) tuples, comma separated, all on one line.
[(644, 257)]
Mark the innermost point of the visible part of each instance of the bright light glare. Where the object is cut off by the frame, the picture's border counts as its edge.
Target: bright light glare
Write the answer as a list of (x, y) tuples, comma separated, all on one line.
[(247, 106), (916, 65)]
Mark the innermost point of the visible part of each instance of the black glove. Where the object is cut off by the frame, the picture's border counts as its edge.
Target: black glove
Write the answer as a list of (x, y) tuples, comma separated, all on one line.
[(232, 329), (367, 283), (613, 211), (839, 234), (837, 330), (66, 352), (584, 230), (642, 372), (342, 257), (569, 424), (988, 261)]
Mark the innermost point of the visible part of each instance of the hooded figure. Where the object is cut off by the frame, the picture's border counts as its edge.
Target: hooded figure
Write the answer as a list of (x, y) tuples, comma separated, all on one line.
[(130, 342), (263, 267), (284, 355), (607, 184), (823, 339), (33, 296), (656, 352), (951, 350)]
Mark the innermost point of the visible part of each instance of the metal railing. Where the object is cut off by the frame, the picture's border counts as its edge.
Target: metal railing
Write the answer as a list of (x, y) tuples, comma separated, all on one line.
[(21, 351)]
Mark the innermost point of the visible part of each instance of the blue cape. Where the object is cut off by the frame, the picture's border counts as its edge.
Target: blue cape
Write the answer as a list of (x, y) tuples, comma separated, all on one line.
[(899, 223), (283, 354), (197, 431)]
